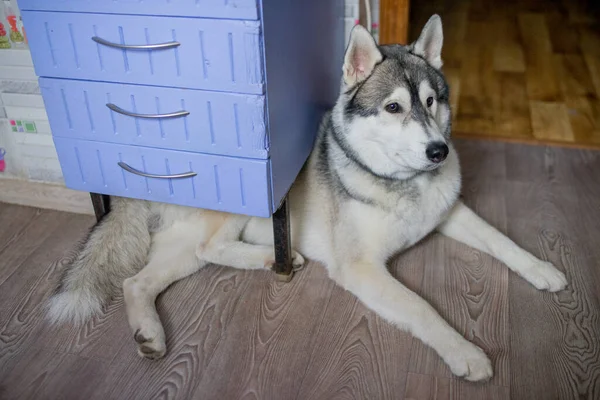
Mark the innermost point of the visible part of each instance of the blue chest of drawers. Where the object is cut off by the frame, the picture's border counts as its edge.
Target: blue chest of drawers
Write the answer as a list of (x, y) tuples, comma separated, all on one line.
[(205, 103)]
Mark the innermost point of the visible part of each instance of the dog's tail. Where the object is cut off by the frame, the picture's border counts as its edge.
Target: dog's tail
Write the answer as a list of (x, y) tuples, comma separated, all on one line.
[(115, 249)]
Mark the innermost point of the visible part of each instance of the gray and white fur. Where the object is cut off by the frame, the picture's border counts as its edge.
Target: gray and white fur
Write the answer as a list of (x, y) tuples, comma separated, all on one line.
[(115, 249), (383, 174)]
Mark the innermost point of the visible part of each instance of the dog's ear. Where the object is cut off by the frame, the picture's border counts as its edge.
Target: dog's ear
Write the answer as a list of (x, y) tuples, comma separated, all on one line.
[(361, 56), (429, 44)]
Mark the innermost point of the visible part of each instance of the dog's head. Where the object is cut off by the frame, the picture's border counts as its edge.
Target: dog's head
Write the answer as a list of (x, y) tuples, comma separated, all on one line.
[(393, 110)]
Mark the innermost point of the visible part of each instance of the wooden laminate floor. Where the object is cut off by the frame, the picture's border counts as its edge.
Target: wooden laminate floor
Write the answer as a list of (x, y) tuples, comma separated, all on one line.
[(240, 334), (521, 70)]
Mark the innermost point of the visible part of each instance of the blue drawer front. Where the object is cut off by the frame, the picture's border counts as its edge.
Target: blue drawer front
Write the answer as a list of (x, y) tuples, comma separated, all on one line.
[(221, 55), (222, 183), (218, 123), (233, 9)]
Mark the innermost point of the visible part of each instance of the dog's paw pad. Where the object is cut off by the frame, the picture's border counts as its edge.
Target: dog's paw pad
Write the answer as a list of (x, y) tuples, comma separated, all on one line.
[(297, 261), (150, 345), (545, 276), (470, 362), (150, 352), (139, 338)]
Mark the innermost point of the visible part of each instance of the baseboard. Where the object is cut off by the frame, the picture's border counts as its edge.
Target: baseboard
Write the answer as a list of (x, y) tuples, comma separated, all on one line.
[(43, 195), (527, 140)]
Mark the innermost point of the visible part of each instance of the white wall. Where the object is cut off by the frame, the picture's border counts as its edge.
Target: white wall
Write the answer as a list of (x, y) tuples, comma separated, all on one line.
[(29, 156)]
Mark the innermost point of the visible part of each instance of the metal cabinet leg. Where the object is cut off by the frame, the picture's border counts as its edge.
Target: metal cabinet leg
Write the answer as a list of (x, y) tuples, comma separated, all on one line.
[(101, 203), (283, 246)]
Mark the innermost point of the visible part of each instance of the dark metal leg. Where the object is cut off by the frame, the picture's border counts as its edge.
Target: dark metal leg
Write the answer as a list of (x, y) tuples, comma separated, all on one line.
[(101, 203), (283, 246)]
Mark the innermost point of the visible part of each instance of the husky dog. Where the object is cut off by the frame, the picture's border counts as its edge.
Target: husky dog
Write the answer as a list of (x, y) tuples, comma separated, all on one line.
[(382, 175)]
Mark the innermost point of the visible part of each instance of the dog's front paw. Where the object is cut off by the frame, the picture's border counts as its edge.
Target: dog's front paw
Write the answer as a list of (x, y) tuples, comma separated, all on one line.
[(469, 362), (151, 342), (544, 276), (297, 261)]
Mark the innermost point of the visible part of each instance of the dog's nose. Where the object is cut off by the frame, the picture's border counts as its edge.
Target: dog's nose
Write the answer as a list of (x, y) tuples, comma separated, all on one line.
[(437, 152)]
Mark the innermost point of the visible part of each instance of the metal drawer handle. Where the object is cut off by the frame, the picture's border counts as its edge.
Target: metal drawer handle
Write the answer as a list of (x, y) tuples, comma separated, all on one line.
[(175, 114), (158, 46), (147, 175)]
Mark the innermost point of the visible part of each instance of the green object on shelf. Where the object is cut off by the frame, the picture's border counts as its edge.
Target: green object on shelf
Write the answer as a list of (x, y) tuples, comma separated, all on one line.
[(4, 42), (30, 127), (16, 37), (18, 125)]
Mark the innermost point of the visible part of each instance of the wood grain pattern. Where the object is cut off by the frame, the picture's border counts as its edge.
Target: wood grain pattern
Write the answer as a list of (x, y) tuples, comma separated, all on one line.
[(28, 371), (550, 121), (567, 319), (96, 339), (453, 77), (575, 77), (427, 387), (542, 84), (454, 39), (360, 356), (580, 12), (74, 378), (42, 195), (394, 16), (509, 58), (239, 334), (196, 313), (584, 116), (566, 39), (14, 220), (504, 58), (33, 277), (555, 220), (470, 291), (262, 335), (512, 114), (589, 39), (49, 375), (593, 64), (478, 92), (27, 240)]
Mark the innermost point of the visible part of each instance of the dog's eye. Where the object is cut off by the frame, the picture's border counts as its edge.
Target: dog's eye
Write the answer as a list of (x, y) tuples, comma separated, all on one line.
[(429, 101), (393, 108)]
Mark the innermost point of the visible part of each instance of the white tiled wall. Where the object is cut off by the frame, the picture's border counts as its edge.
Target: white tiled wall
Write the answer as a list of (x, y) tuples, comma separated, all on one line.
[(29, 156)]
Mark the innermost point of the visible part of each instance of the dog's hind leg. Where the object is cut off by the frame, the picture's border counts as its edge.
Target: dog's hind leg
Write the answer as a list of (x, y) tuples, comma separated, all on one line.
[(242, 255), (172, 258), (226, 248), (465, 226), (378, 290)]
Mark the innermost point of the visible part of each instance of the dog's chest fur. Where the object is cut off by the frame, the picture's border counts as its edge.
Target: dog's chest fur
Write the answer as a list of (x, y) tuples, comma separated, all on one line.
[(391, 216)]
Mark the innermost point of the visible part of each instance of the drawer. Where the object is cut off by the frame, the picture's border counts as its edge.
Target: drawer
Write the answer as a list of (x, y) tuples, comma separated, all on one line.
[(217, 123), (220, 55), (221, 183), (232, 9)]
